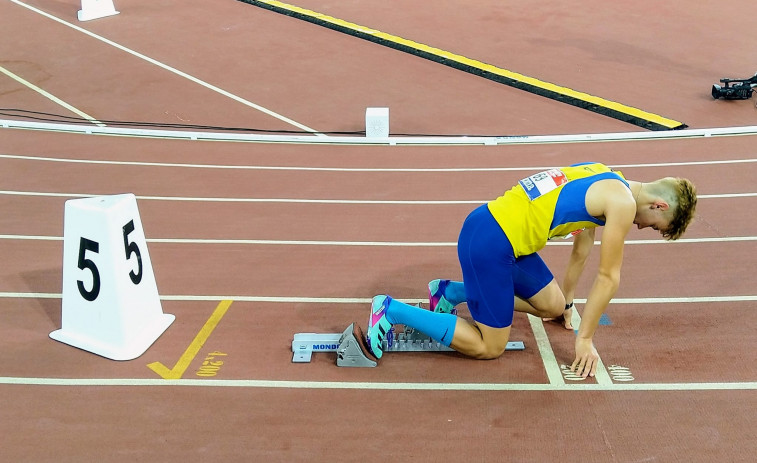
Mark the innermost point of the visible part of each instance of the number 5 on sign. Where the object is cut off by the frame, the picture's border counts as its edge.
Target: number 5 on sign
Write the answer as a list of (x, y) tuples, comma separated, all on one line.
[(111, 305)]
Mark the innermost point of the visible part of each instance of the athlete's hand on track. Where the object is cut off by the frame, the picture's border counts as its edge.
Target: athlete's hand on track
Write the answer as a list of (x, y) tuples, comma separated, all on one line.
[(586, 360), (566, 319)]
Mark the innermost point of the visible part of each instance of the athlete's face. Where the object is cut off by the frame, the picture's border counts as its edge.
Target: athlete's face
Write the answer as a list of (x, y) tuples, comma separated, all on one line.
[(652, 218)]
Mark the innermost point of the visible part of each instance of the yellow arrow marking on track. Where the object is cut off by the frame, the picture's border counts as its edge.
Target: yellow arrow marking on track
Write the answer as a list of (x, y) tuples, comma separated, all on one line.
[(181, 366)]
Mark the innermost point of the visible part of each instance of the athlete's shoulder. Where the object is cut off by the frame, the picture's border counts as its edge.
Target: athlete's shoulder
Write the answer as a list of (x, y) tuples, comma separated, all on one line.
[(609, 195), (612, 189)]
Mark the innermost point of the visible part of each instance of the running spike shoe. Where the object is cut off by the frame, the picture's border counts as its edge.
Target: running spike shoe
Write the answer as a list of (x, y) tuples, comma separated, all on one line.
[(379, 327), (436, 299)]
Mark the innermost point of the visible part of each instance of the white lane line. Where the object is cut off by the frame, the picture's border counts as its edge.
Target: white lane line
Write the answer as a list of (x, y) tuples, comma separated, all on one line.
[(365, 300), (249, 200), (545, 351), (172, 70), (310, 201), (50, 96), (348, 169), (274, 384), (418, 244), (556, 381)]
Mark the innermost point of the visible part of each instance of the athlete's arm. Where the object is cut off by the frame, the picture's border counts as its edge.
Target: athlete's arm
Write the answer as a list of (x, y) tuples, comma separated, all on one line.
[(582, 246), (619, 211)]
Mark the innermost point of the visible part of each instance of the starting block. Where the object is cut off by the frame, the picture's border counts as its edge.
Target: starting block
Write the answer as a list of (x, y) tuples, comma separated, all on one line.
[(351, 349)]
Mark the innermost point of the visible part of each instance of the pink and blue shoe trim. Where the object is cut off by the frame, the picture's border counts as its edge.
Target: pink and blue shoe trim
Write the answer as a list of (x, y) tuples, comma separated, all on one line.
[(436, 299), (379, 328)]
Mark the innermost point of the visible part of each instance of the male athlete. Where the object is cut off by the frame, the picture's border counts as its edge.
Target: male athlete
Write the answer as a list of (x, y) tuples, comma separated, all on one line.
[(502, 271)]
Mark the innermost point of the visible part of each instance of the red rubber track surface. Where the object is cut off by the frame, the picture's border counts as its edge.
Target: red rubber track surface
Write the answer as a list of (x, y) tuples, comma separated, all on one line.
[(313, 231)]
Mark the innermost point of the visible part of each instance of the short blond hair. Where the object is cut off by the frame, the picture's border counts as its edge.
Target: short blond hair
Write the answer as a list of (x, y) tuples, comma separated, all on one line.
[(684, 209)]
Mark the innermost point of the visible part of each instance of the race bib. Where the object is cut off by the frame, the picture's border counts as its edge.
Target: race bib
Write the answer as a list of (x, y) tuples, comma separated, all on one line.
[(568, 236), (543, 182)]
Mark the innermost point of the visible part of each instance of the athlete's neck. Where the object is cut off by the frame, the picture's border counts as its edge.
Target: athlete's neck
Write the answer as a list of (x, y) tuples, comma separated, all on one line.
[(636, 188)]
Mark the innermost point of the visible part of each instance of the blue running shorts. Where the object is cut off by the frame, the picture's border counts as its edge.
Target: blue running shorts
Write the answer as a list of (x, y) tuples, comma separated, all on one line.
[(491, 274)]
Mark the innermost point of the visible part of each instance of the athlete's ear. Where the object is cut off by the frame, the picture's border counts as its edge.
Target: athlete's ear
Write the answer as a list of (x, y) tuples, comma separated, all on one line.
[(661, 204)]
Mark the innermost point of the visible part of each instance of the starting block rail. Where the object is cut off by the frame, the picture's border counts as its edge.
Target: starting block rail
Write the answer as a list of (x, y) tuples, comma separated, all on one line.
[(350, 346)]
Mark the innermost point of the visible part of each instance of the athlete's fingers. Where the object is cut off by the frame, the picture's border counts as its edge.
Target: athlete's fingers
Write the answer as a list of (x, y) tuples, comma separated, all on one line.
[(594, 364), (577, 367)]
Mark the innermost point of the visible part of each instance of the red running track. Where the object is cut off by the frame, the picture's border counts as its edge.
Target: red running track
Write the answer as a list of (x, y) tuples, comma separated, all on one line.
[(300, 236)]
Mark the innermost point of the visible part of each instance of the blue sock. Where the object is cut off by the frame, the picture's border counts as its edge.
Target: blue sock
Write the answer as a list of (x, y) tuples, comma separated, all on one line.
[(455, 292), (440, 326)]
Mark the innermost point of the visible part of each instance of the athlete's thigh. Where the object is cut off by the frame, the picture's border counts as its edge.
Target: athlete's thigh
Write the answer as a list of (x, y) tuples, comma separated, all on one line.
[(534, 282), (489, 293), (550, 298), (486, 259)]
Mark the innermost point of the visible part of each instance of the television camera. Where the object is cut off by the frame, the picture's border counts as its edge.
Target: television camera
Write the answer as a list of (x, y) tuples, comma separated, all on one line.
[(735, 89)]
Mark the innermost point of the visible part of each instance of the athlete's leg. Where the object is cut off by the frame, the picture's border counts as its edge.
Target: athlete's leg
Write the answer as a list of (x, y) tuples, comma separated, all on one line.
[(537, 291), (549, 302), (386, 312), (480, 341), (566, 318), (487, 261), (486, 258), (475, 340), (440, 326)]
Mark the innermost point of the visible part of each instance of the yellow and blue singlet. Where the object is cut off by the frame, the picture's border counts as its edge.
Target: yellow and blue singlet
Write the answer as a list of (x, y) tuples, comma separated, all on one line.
[(549, 205)]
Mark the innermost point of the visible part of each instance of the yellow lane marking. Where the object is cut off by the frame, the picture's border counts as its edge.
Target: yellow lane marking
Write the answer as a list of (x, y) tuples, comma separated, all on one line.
[(181, 366), (444, 55)]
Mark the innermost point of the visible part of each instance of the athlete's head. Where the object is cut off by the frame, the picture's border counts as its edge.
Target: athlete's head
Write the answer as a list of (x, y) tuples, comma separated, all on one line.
[(668, 205)]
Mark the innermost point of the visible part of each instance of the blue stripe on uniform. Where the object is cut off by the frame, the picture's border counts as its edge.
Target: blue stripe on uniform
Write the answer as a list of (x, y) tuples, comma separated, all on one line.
[(571, 203)]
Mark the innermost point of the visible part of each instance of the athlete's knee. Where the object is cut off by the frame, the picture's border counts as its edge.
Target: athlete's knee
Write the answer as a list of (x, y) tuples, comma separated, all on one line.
[(491, 346), (556, 308), (550, 300), (489, 352)]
